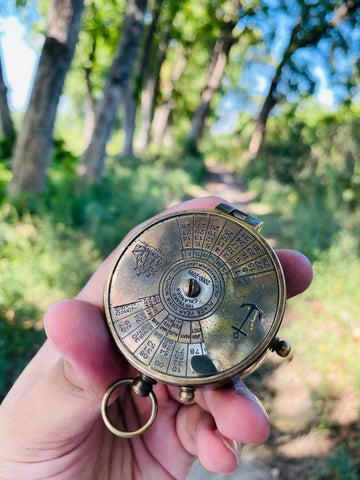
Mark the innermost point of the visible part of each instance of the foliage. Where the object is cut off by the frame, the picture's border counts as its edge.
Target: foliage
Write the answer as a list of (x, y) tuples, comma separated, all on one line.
[(306, 179), (50, 245), (342, 464), (6, 146), (309, 172), (308, 175), (327, 336), (42, 261), (18, 342)]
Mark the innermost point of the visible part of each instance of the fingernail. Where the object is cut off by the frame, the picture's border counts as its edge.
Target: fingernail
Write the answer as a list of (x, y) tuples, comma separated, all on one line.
[(235, 448), (241, 389)]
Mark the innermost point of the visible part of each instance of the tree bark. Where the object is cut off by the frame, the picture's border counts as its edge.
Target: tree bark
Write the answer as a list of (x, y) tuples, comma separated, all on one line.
[(129, 123), (216, 70), (294, 44), (163, 112), (258, 135), (34, 143), (115, 88), (132, 96), (7, 129), (149, 93), (90, 104)]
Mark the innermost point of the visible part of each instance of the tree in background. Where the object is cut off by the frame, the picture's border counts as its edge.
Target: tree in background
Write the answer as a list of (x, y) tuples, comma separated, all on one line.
[(190, 57), (179, 40), (312, 26), (96, 47), (34, 142), (140, 72), (7, 129), (215, 71), (162, 115), (92, 162), (151, 76)]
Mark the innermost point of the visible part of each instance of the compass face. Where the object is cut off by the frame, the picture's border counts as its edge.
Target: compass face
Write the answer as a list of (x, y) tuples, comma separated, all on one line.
[(195, 298)]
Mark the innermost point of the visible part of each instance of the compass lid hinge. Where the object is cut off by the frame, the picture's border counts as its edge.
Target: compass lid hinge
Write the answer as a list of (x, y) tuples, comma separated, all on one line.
[(255, 223)]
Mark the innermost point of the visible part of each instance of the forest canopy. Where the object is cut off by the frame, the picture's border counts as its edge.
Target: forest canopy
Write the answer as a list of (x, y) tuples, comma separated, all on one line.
[(165, 72)]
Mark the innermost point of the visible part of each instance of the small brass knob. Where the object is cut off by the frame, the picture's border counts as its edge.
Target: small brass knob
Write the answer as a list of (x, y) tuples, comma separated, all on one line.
[(142, 385), (186, 394), (281, 347)]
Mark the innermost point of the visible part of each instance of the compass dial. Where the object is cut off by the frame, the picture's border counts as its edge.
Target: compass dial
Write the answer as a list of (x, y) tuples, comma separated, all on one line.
[(195, 298)]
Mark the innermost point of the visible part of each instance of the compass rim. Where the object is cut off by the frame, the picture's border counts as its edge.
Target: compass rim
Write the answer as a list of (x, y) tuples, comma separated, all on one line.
[(244, 367)]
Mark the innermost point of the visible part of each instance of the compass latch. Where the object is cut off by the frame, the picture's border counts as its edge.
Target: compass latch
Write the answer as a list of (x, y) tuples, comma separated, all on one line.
[(255, 223)]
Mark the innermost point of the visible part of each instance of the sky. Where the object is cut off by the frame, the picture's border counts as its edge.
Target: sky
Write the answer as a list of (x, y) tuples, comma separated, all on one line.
[(20, 61)]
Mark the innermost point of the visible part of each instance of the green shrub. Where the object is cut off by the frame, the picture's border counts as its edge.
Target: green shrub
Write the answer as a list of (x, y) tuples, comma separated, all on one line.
[(341, 465), (7, 146), (51, 244)]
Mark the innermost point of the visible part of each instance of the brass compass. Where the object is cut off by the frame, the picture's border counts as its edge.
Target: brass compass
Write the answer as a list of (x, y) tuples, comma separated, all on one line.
[(194, 299)]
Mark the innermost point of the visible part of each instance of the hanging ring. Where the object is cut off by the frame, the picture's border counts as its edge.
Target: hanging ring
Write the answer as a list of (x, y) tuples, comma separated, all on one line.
[(107, 421)]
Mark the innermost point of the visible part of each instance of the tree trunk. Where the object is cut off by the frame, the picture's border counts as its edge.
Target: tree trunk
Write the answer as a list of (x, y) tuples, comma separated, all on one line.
[(6, 123), (216, 70), (141, 72), (115, 88), (147, 44), (258, 135), (163, 111), (129, 123), (90, 108), (149, 93), (34, 143), (90, 104), (295, 43), (257, 138)]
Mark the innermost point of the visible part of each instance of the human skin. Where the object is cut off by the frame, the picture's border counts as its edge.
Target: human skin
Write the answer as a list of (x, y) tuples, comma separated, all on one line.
[(50, 422)]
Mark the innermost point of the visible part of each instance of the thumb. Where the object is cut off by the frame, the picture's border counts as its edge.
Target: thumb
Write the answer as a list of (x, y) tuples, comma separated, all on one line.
[(88, 362), (64, 402), (78, 331)]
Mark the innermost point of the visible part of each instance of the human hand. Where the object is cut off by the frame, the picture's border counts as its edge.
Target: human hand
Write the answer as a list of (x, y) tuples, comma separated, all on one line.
[(50, 423)]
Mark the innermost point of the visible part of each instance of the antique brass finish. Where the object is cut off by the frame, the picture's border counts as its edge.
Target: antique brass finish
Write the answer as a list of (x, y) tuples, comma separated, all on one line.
[(109, 424), (186, 394), (142, 385), (196, 298), (281, 347), (191, 287)]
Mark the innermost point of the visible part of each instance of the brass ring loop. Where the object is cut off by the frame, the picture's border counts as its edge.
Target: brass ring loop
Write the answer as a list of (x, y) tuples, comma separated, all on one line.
[(111, 427)]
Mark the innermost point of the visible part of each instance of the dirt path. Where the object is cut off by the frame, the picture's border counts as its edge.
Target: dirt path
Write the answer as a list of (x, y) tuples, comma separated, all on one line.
[(223, 183), (295, 445)]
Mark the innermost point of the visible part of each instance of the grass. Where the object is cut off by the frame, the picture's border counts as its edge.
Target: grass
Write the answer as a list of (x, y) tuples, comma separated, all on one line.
[(51, 245), (326, 326)]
